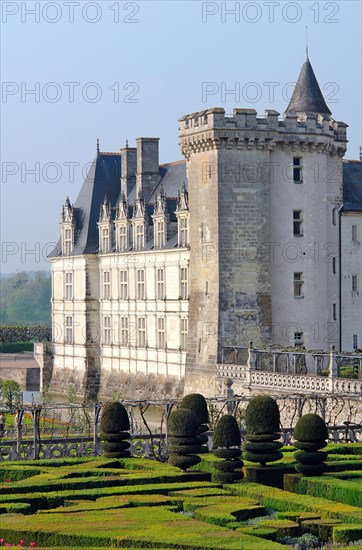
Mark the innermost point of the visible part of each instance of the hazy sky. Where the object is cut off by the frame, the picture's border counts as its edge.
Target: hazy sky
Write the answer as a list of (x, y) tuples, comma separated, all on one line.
[(120, 70)]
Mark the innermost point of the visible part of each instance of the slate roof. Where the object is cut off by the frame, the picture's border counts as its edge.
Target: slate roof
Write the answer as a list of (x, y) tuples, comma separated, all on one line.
[(307, 96), (352, 186), (103, 178)]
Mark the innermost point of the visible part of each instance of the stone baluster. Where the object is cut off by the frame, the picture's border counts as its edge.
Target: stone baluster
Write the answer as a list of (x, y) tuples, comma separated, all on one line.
[(250, 366), (333, 367)]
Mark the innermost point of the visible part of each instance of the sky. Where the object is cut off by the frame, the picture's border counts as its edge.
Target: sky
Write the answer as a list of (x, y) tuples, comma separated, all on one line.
[(75, 71)]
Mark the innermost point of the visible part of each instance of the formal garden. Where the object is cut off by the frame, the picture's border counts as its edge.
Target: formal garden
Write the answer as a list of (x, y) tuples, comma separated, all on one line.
[(250, 494)]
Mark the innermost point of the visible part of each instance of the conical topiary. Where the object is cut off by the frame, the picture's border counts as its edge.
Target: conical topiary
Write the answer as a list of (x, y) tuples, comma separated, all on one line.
[(197, 403), (183, 439), (114, 435), (262, 421), (310, 434), (226, 442)]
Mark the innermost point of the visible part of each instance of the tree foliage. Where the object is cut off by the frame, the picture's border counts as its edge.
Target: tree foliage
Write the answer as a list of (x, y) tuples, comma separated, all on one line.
[(10, 392), (25, 298)]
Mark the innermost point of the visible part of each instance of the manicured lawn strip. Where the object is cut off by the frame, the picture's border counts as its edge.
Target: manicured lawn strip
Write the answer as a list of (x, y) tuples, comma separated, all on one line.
[(349, 492), (285, 501), (143, 526), (344, 448), (226, 512), (104, 503), (44, 481), (52, 499)]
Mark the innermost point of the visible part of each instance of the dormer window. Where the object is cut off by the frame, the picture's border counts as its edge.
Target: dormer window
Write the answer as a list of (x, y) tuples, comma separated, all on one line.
[(139, 236), (68, 240), (105, 239), (159, 233), (122, 237), (183, 231)]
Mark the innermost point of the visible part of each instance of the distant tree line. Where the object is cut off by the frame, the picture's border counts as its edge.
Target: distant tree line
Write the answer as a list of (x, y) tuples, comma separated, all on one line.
[(25, 299)]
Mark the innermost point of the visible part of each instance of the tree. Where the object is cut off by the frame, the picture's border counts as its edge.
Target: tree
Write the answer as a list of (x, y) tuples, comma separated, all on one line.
[(197, 403), (226, 442), (114, 428), (262, 421), (311, 434), (183, 439), (11, 394)]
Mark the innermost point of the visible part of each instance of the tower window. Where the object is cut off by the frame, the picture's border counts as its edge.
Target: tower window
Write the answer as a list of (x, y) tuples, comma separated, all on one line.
[(355, 341), (297, 170), (354, 233), (334, 312), (298, 285), (354, 283), (298, 339), (334, 265), (297, 223), (334, 216)]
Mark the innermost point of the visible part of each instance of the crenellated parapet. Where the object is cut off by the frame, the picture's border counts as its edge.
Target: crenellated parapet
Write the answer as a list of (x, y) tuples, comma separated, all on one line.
[(213, 129)]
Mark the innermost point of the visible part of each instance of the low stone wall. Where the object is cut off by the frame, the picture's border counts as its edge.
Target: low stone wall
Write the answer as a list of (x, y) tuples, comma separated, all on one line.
[(23, 370)]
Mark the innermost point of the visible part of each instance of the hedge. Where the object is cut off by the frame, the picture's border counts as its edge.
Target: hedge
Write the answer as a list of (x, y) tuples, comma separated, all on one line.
[(344, 534), (285, 501), (349, 492), (17, 347)]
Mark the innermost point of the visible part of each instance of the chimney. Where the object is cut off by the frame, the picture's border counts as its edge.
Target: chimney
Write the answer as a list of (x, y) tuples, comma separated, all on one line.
[(128, 169), (147, 165)]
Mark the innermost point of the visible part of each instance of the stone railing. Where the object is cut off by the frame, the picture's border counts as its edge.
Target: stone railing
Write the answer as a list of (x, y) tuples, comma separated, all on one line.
[(296, 372), (142, 446)]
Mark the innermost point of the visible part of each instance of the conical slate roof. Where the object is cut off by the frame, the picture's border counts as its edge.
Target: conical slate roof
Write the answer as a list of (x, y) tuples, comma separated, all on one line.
[(307, 96)]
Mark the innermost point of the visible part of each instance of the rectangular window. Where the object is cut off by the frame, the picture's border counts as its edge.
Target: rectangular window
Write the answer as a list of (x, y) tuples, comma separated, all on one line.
[(298, 285), (297, 223), (298, 339), (160, 283), (123, 284), (354, 233), (67, 241), (354, 283), (183, 231), (139, 236), (123, 240), (107, 330), (183, 333), (355, 341), (124, 331), (334, 265), (68, 285), (184, 283), (141, 329), (297, 170), (160, 234), (334, 312), (334, 216), (105, 239), (161, 332), (69, 330), (106, 285), (141, 295)]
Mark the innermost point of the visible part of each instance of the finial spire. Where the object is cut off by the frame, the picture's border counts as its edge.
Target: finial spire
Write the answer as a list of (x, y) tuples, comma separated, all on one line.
[(97, 146), (306, 43), (126, 143)]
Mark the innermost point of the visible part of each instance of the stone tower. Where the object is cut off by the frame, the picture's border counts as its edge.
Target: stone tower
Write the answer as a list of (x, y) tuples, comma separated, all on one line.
[(264, 196)]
